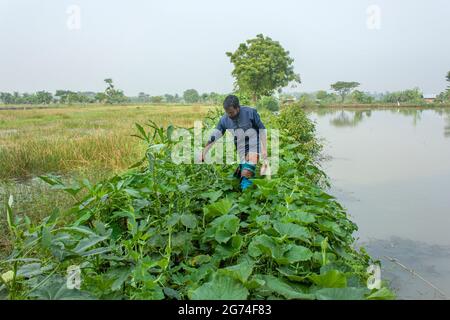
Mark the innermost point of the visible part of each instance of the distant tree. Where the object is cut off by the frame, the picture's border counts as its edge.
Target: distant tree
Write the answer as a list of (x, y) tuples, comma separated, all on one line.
[(270, 103), (306, 101), (322, 95), (89, 96), (216, 98), (44, 97), (444, 96), (100, 97), (28, 98), (343, 88), (17, 98), (72, 97), (204, 98), (262, 66), (62, 95), (408, 96), (169, 98), (156, 99), (113, 95), (143, 97), (191, 96), (361, 97), (6, 98)]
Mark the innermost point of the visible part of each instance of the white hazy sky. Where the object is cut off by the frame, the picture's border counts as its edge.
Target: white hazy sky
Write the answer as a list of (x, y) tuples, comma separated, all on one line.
[(169, 46)]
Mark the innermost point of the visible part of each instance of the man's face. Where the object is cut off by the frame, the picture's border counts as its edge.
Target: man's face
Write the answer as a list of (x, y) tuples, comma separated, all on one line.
[(232, 112)]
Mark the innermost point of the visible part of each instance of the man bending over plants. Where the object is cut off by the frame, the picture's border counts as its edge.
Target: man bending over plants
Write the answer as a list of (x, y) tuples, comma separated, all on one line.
[(249, 138)]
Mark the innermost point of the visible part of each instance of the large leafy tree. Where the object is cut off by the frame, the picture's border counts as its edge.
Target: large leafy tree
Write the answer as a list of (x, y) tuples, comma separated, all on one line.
[(112, 94), (261, 66), (343, 88), (43, 97), (191, 96)]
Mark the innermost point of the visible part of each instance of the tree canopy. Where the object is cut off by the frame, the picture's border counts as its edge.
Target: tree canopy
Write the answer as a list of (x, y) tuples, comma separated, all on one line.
[(191, 96), (112, 94), (343, 88), (261, 66)]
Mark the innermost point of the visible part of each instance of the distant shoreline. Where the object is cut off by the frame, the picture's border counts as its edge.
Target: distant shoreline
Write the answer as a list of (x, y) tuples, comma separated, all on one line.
[(90, 105), (380, 106), (331, 106)]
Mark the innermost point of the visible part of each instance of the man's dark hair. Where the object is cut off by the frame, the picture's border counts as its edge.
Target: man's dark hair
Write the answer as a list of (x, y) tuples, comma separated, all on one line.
[(231, 101)]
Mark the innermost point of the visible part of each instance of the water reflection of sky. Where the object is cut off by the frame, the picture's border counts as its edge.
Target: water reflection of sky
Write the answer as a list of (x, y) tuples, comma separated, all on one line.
[(391, 170)]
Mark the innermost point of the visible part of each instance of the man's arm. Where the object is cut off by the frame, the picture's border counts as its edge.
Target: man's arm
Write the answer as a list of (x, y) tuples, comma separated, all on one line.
[(216, 135)]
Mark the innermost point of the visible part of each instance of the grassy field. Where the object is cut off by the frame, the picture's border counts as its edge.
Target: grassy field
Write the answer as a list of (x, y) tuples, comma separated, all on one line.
[(61, 140), (75, 142)]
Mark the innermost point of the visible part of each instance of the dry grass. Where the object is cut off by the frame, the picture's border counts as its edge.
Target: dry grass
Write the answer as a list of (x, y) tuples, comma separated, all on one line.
[(93, 142), (34, 142)]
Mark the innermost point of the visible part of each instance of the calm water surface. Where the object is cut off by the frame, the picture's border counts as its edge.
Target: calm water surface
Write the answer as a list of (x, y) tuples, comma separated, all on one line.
[(391, 170)]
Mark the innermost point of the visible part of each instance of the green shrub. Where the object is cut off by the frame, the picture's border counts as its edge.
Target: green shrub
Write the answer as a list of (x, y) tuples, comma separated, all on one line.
[(269, 103)]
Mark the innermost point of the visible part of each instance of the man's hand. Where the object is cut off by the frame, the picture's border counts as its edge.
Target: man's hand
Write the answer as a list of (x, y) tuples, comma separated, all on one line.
[(265, 168), (264, 156), (201, 157)]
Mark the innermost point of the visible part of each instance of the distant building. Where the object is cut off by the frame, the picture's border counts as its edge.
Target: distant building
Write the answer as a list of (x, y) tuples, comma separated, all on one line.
[(429, 98)]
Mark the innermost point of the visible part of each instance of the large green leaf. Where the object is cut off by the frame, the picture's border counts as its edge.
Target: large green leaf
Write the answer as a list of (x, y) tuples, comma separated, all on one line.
[(266, 245), (330, 279), (328, 225), (282, 288), (298, 253), (212, 195), (301, 217), (95, 251), (350, 293), (87, 243), (382, 294), (30, 270), (119, 275), (224, 227), (219, 208), (292, 230), (241, 271), (221, 288), (58, 291), (189, 220), (222, 236), (46, 237)]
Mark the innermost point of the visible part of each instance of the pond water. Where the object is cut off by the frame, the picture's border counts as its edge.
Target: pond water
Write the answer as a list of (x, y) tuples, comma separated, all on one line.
[(391, 169)]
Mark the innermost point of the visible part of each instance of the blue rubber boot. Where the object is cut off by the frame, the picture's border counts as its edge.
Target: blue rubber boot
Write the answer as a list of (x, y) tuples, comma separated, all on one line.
[(245, 183)]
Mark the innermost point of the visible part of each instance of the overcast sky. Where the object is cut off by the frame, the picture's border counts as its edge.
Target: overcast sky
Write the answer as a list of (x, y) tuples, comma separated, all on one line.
[(168, 46)]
